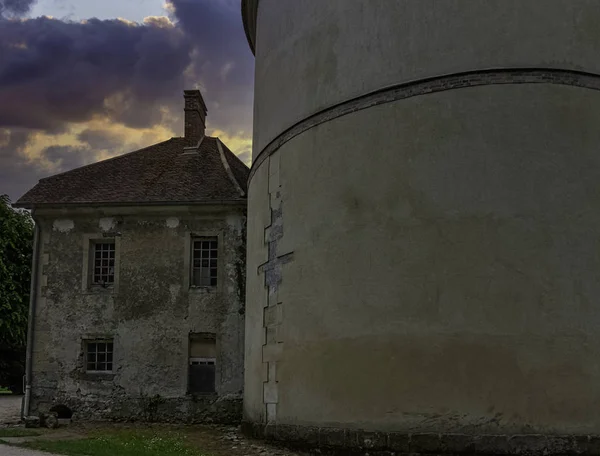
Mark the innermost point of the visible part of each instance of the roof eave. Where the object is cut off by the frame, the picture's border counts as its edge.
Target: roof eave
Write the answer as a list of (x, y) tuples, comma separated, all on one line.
[(249, 13), (224, 202)]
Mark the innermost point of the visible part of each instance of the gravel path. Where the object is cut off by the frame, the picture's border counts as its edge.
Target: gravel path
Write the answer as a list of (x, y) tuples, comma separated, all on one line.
[(10, 409), (6, 450)]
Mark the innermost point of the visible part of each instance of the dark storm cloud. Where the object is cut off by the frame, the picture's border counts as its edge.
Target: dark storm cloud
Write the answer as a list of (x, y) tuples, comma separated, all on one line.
[(15, 8), (54, 72), (223, 61)]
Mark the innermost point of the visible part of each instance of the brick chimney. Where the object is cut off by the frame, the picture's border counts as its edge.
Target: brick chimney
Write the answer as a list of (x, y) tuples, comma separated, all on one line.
[(195, 116)]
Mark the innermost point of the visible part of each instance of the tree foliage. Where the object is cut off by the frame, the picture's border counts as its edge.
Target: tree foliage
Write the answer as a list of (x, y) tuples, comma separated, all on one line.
[(16, 240)]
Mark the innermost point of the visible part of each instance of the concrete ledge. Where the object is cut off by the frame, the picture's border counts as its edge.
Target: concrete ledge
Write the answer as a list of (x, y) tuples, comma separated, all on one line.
[(354, 442)]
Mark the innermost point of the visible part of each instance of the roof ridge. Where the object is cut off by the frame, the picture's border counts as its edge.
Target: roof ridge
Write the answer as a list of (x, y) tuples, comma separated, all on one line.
[(108, 159), (228, 170)]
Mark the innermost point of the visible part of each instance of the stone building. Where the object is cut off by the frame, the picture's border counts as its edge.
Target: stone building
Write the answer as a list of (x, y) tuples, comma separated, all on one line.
[(423, 208), (138, 284)]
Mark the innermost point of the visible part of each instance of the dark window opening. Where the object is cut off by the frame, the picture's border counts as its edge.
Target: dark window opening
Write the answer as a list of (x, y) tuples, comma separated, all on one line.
[(202, 363), (99, 355), (204, 262), (103, 268)]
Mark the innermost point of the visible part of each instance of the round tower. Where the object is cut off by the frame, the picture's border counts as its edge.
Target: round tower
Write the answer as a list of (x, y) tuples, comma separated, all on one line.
[(424, 223)]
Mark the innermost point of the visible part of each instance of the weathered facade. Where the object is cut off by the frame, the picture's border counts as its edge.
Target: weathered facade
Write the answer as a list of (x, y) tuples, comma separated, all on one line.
[(423, 210), (138, 303)]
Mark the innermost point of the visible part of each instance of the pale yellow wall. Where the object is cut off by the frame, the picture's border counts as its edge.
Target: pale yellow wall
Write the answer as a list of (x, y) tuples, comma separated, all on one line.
[(446, 264), (312, 54), (445, 246)]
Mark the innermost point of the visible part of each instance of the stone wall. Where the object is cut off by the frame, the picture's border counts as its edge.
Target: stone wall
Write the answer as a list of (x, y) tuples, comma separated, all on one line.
[(149, 314)]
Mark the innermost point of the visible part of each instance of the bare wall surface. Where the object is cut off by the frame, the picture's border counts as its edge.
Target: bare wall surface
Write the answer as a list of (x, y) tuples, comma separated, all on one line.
[(423, 255), (445, 266), (319, 53), (149, 313)]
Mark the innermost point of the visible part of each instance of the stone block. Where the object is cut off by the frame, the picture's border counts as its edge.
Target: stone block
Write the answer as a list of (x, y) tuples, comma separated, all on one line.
[(271, 412), (32, 422), (593, 446), (491, 444), (528, 444), (425, 443), (51, 421), (269, 431), (332, 437), (370, 440), (457, 443), (399, 442), (270, 393), (272, 352), (562, 444)]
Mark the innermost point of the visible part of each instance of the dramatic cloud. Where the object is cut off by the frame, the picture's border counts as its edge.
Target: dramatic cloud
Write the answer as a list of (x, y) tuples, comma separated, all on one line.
[(75, 92), (223, 64), (54, 72), (15, 8)]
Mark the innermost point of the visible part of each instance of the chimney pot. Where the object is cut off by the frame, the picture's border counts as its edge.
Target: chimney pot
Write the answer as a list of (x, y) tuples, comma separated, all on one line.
[(195, 116)]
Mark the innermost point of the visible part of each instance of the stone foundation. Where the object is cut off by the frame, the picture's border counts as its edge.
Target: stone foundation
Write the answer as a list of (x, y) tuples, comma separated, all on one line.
[(357, 442), (189, 409)]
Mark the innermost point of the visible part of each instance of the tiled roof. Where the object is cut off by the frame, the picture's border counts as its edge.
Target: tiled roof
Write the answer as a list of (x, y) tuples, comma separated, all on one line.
[(161, 173)]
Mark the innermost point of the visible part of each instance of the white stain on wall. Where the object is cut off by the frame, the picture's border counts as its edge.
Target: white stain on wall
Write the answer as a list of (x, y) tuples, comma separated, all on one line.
[(63, 225), (172, 222), (106, 223)]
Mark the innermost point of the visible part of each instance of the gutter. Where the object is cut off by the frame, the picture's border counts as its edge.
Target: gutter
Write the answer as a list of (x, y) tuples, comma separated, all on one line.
[(25, 405)]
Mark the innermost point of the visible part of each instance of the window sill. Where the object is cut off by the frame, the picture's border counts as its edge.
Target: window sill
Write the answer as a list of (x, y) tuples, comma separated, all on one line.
[(97, 376), (213, 394), (195, 289), (99, 289)]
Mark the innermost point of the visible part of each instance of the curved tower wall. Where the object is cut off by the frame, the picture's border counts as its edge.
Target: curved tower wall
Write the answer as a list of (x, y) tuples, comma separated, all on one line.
[(424, 217)]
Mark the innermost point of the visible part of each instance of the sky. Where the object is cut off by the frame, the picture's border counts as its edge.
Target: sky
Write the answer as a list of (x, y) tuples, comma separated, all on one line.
[(85, 80)]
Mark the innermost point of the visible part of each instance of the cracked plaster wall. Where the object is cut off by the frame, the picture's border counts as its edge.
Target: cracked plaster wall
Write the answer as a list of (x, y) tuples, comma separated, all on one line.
[(150, 316)]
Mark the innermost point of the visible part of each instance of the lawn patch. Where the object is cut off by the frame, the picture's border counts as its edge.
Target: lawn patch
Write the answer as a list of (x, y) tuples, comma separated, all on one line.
[(4, 390), (122, 443), (17, 432)]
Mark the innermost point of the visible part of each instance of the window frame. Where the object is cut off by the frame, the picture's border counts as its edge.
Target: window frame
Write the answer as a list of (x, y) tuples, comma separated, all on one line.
[(191, 237), (88, 246), (204, 360), (93, 258), (104, 340), (201, 268)]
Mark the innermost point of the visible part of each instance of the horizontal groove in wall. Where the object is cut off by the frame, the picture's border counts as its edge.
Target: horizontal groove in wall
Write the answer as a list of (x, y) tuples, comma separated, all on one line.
[(427, 86)]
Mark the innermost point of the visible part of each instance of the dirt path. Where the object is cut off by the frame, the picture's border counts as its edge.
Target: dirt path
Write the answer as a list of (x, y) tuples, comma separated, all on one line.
[(10, 408)]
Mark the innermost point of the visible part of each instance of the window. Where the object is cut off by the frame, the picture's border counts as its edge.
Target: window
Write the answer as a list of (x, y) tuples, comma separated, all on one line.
[(202, 363), (103, 266), (99, 355), (204, 262)]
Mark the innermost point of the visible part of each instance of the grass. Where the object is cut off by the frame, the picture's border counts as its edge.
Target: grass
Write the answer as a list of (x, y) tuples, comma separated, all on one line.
[(4, 390), (17, 432), (121, 443)]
